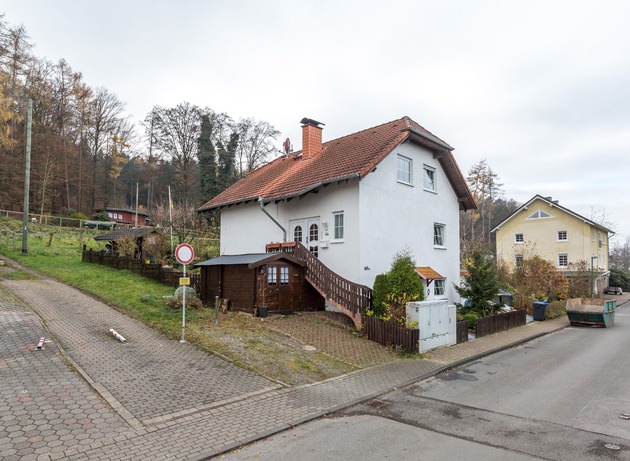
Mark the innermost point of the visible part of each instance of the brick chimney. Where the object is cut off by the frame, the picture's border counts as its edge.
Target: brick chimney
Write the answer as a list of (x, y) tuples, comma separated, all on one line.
[(311, 138)]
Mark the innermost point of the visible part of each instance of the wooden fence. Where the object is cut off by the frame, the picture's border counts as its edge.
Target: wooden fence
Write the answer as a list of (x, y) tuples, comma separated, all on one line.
[(164, 275), (489, 325), (388, 334), (462, 331)]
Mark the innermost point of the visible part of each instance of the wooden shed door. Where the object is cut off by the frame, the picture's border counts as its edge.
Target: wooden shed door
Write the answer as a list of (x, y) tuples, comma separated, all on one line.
[(286, 285)]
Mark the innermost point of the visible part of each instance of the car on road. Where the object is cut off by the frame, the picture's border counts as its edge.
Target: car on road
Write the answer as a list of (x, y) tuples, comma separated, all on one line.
[(613, 291)]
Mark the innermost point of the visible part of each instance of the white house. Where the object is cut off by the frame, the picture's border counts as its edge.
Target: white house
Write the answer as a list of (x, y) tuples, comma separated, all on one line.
[(355, 202)]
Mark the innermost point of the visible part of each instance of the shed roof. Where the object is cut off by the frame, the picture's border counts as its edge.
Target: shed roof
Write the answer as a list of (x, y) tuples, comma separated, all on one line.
[(252, 260), (126, 232)]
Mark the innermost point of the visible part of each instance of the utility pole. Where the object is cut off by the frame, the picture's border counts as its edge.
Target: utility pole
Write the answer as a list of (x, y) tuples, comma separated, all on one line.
[(27, 176)]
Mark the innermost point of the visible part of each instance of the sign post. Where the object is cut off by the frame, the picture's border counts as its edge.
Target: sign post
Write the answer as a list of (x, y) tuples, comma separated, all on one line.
[(184, 254)]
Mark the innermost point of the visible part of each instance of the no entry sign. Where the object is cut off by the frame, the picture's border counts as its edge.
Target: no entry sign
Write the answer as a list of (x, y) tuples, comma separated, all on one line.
[(184, 254)]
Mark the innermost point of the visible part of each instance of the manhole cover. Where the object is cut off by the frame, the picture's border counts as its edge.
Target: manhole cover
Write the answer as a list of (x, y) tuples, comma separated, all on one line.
[(612, 446), (309, 348)]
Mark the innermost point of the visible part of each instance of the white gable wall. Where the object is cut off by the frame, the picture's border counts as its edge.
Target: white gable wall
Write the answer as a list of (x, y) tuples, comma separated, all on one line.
[(381, 215), (396, 216)]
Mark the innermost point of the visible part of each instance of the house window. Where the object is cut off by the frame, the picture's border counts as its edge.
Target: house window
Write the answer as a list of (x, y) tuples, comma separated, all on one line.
[(438, 235), (284, 275), (539, 214), (272, 276), (562, 236), (563, 260), (404, 170), (313, 240), (518, 260), (297, 234), (338, 225), (438, 287), (518, 238), (429, 178)]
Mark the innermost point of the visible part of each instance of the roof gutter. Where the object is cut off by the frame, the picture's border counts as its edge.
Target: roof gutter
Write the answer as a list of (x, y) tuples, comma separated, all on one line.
[(429, 137), (262, 207)]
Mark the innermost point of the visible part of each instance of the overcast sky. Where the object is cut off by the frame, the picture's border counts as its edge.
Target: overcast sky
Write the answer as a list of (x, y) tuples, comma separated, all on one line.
[(541, 89)]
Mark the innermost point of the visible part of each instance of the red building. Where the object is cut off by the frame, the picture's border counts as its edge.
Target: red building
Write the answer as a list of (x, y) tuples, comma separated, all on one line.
[(124, 216)]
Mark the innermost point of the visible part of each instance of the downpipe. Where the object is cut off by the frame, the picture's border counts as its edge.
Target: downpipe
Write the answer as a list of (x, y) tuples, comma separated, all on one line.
[(262, 207)]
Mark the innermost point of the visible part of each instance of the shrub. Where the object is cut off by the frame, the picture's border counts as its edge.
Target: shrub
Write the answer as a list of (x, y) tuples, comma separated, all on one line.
[(620, 278), (392, 291), (100, 216), (471, 318), (379, 294), (556, 309)]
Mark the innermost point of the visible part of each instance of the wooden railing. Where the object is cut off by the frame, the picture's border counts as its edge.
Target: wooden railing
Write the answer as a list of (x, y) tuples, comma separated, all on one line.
[(488, 325), (164, 275), (342, 292)]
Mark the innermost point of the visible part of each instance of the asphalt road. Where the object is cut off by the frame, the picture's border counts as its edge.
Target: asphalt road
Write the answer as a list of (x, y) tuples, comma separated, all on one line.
[(559, 397)]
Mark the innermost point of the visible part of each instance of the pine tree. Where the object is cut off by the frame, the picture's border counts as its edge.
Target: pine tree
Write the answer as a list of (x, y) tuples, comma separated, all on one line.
[(481, 286), (207, 160)]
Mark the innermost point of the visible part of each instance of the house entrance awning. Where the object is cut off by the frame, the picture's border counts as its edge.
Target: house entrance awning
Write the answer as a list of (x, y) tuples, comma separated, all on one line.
[(428, 274)]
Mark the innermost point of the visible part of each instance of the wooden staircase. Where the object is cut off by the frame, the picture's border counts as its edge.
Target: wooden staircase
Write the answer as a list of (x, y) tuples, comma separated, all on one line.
[(350, 298)]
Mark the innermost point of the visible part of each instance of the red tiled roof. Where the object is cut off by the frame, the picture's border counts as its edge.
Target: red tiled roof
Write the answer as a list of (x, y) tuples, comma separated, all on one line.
[(349, 157)]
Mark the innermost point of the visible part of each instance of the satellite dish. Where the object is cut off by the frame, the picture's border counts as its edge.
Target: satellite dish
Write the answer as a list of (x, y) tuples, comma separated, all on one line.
[(287, 146)]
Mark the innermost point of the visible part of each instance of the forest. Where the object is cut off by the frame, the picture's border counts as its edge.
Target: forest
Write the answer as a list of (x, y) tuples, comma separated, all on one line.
[(87, 154)]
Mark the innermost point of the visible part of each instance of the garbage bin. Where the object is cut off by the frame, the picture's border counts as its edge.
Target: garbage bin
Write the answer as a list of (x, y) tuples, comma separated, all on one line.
[(539, 310)]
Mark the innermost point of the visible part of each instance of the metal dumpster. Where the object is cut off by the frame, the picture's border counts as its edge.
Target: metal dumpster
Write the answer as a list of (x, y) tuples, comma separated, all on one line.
[(588, 311)]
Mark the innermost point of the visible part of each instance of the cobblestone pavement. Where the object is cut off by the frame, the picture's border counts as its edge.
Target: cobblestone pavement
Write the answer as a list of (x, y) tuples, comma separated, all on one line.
[(45, 406), (316, 330), (158, 399)]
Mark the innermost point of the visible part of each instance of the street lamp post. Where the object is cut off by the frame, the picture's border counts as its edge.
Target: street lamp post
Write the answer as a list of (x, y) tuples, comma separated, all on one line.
[(593, 259)]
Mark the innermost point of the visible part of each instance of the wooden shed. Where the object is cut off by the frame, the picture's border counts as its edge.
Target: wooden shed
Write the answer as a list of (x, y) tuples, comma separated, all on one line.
[(274, 281)]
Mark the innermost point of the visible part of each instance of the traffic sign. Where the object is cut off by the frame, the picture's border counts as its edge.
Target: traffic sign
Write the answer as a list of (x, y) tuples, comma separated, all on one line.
[(183, 281), (184, 254)]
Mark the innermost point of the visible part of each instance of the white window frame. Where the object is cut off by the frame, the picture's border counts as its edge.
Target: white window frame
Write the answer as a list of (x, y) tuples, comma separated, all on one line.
[(563, 236), (518, 239), (429, 178), (441, 235), (272, 276), (439, 289), (404, 175), (518, 260), (562, 256), (284, 275), (341, 227)]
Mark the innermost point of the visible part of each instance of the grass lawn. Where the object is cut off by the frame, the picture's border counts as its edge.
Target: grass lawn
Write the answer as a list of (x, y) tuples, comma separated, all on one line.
[(243, 340)]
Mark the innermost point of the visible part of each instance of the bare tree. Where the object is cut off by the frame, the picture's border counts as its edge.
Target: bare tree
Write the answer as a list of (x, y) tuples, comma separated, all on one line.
[(175, 132), (255, 144), (105, 114)]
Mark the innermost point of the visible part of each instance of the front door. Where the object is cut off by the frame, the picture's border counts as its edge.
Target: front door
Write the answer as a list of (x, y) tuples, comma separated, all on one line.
[(306, 231)]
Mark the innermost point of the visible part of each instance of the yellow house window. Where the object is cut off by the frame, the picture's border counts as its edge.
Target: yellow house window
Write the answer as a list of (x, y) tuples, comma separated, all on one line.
[(562, 236)]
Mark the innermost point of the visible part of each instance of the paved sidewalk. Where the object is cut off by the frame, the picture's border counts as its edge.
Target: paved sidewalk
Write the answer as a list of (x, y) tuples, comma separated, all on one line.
[(154, 398)]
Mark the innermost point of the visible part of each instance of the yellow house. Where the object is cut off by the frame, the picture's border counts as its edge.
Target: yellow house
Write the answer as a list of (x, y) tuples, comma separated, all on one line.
[(543, 227)]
